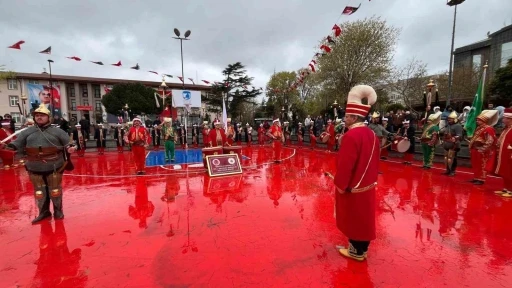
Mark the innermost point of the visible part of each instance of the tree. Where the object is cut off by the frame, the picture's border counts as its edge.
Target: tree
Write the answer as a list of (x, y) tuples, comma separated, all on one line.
[(279, 93), (501, 85), (140, 99), (409, 82), (237, 88), (5, 74), (362, 54)]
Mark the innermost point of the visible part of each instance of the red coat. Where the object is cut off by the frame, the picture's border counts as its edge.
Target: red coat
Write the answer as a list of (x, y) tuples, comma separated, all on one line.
[(330, 130), (484, 139), (212, 137), (142, 133), (504, 160), (4, 133), (357, 168)]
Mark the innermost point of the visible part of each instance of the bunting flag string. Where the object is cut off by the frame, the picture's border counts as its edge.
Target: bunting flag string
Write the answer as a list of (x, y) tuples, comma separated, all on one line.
[(48, 51), (325, 48)]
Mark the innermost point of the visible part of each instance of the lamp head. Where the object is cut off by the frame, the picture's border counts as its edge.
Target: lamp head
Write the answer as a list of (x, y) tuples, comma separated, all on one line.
[(177, 32), (187, 33)]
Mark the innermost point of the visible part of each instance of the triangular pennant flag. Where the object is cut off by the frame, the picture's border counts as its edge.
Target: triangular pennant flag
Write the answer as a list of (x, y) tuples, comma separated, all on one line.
[(337, 30), (329, 39), (349, 10), (153, 72), (192, 80), (47, 50), (98, 63), (313, 61), (181, 79), (74, 58), (312, 67), (207, 82), (326, 48), (118, 64), (168, 75), (17, 45), (136, 67), (107, 89)]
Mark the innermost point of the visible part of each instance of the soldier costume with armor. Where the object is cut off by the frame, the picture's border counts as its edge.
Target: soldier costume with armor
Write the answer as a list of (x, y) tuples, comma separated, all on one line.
[(379, 130), (430, 138), (48, 150), (483, 145), (452, 135)]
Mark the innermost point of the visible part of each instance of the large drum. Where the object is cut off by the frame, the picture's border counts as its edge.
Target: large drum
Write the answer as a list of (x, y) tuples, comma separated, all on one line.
[(401, 144), (234, 150), (324, 137), (210, 151)]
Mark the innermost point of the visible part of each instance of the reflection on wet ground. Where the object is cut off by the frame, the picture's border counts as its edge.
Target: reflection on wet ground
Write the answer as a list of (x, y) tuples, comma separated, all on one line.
[(272, 226)]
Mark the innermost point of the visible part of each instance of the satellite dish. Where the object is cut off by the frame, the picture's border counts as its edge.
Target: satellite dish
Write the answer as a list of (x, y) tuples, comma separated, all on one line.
[(177, 32)]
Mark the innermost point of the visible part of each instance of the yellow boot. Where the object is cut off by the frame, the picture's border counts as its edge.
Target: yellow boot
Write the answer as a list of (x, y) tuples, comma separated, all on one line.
[(507, 194), (351, 252), (501, 191)]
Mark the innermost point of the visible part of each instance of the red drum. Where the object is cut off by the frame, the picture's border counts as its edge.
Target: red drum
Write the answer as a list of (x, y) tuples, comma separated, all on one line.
[(210, 151), (401, 144), (324, 137), (234, 150)]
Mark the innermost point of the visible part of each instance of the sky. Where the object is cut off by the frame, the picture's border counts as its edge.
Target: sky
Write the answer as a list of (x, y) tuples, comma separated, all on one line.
[(265, 35)]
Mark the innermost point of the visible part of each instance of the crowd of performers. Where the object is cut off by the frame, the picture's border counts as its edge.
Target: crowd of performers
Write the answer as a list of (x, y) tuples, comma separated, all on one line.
[(361, 145)]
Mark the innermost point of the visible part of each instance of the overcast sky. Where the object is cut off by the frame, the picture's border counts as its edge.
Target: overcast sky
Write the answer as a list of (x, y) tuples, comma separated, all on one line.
[(262, 34)]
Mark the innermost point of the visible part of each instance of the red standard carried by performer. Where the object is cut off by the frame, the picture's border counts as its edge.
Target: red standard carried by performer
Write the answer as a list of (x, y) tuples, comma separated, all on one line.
[(504, 159), (138, 137), (276, 134), (217, 136), (356, 176), (482, 145)]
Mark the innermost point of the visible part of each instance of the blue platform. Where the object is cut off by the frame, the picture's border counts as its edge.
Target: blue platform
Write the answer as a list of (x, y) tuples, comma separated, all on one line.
[(157, 158)]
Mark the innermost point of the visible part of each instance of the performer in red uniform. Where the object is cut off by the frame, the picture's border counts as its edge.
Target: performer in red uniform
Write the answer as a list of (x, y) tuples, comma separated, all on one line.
[(483, 145), (276, 134), (300, 134), (138, 137), (6, 155), (504, 160), (217, 136), (206, 132), (261, 135), (312, 137), (332, 136), (356, 176)]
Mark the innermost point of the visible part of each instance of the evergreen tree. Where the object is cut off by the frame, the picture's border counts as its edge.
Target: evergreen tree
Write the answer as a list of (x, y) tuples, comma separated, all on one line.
[(236, 87)]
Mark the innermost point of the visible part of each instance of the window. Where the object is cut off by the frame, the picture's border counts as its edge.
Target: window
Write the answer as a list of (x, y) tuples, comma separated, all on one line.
[(477, 60), (71, 89), (33, 82), (85, 102), (16, 116), (13, 101), (73, 104), (96, 91), (98, 106), (74, 116), (12, 84), (506, 53), (85, 91)]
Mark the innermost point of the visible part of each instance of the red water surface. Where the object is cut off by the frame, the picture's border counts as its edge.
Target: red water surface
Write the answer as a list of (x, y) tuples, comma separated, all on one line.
[(273, 226)]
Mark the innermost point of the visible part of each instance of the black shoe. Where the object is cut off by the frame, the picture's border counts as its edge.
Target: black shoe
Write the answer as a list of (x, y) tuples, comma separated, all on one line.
[(58, 214), (446, 173), (451, 174), (473, 181), (478, 182), (43, 215)]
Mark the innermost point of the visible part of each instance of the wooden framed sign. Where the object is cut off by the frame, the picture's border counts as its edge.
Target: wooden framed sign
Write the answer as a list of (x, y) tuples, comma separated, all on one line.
[(223, 164)]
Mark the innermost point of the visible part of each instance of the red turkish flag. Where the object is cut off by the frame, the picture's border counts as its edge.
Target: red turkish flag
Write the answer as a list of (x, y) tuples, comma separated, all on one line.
[(326, 48), (17, 45)]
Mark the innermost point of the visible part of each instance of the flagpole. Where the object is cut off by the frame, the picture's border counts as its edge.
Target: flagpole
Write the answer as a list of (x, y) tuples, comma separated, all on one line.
[(483, 80)]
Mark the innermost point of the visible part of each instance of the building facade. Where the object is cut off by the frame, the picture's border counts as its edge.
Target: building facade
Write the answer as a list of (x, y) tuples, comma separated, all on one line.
[(79, 96), (496, 49)]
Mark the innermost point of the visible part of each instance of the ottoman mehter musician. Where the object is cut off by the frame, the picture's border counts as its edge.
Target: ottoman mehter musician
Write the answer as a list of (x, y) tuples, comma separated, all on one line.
[(276, 134), (138, 137), (483, 145)]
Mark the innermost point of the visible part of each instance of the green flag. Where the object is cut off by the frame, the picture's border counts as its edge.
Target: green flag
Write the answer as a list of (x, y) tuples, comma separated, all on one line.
[(476, 108)]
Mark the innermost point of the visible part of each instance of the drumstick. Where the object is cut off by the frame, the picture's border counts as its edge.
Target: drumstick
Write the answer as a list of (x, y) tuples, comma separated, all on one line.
[(386, 146), (329, 175)]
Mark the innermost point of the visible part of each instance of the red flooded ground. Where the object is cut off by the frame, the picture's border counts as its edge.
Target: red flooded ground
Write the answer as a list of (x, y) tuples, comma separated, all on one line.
[(271, 227)]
